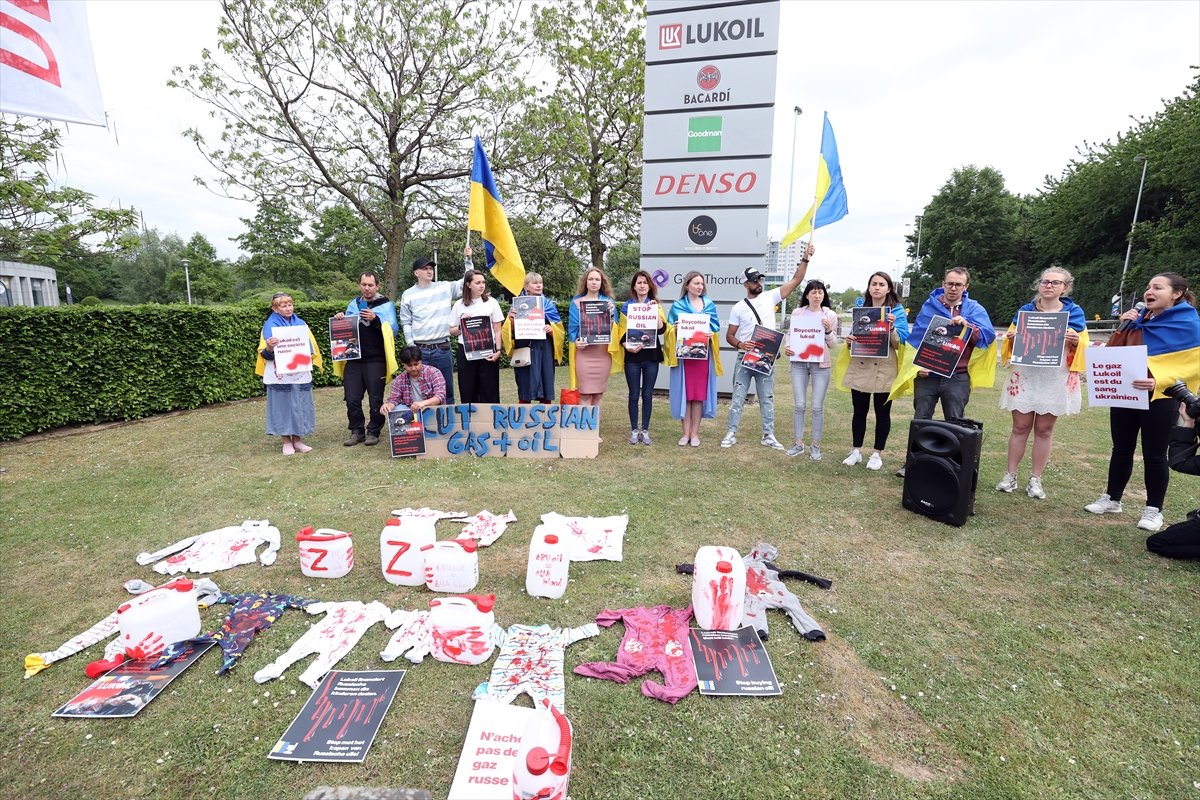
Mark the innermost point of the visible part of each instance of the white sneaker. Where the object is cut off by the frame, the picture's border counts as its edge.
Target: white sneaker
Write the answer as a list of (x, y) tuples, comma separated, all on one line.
[(796, 450), (1104, 505), (855, 457), (646, 437), (730, 439), (1152, 519), (635, 437), (683, 441), (1034, 489), (1008, 483), (875, 462), (770, 441), (814, 452)]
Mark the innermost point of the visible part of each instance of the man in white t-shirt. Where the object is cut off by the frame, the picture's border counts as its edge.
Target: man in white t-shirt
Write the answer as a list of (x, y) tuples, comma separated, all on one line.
[(757, 308)]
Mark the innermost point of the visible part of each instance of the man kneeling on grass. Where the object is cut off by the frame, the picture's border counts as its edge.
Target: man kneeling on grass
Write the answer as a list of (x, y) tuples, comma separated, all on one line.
[(417, 386)]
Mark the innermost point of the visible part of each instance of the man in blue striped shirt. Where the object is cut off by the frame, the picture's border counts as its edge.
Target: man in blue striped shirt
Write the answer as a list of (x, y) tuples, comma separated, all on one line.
[(425, 318)]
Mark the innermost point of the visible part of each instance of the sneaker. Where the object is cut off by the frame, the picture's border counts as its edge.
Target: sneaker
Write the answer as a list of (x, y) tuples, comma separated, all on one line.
[(355, 438), (371, 440), (695, 443), (770, 441), (875, 462), (1152, 519), (1035, 490), (814, 452), (855, 457), (683, 441), (730, 439), (646, 438), (635, 437), (796, 450), (1008, 483), (1104, 505)]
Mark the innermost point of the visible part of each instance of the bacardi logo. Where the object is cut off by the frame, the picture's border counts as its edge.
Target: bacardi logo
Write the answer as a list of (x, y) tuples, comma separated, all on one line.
[(708, 78)]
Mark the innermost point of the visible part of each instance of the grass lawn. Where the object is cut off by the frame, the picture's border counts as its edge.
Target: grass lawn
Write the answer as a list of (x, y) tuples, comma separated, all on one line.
[(1037, 652)]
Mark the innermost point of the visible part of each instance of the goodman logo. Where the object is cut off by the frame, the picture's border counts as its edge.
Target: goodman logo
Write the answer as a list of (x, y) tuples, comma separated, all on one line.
[(704, 134), (702, 230), (676, 35), (706, 183)]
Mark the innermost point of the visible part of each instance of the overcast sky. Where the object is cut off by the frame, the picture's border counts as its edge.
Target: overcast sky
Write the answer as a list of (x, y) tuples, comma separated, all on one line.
[(913, 90)]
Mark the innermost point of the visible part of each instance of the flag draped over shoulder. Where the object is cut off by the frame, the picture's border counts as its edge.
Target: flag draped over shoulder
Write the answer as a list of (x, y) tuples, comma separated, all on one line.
[(486, 215), (829, 204)]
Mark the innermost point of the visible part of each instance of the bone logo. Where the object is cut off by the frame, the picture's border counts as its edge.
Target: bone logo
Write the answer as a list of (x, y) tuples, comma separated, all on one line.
[(702, 230), (670, 37), (708, 78)]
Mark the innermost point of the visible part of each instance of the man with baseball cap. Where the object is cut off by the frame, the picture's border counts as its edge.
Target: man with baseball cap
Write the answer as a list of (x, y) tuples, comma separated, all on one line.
[(757, 308), (425, 318)]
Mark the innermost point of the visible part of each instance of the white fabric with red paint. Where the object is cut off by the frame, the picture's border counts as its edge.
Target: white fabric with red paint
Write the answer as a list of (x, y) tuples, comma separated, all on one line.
[(217, 550), (428, 513), (206, 592), (765, 590), (591, 538), (486, 527), (531, 662), (413, 638), (330, 639)]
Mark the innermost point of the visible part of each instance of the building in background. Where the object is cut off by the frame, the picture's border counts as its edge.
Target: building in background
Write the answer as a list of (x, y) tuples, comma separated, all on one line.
[(27, 285)]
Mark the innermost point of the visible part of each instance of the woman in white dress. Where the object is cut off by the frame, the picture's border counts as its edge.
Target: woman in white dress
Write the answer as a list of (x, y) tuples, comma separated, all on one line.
[(1038, 396)]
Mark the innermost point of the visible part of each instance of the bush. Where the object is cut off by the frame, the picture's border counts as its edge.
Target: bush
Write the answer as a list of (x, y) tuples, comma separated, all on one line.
[(91, 300)]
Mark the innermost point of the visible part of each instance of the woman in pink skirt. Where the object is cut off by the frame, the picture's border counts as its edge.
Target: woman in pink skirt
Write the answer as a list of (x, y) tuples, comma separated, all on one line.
[(590, 335), (693, 385)]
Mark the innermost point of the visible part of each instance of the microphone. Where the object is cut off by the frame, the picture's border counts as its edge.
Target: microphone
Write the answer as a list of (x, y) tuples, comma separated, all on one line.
[(1139, 307)]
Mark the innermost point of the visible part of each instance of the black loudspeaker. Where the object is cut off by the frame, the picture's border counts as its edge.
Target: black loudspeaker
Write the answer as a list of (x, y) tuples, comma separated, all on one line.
[(942, 469)]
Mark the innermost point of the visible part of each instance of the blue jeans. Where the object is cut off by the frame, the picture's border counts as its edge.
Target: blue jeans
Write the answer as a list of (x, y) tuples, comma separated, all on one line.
[(764, 387), (640, 378), (444, 361), (954, 393), (802, 373)]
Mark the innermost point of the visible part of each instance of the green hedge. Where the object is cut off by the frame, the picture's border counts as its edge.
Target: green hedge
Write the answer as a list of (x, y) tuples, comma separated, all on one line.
[(80, 365)]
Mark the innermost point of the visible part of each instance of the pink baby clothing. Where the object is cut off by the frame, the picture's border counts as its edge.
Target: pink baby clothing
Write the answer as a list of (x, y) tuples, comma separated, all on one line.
[(655, 639), (217, 550), (765, 590), (330, 639), (413, 638), (531, 661)]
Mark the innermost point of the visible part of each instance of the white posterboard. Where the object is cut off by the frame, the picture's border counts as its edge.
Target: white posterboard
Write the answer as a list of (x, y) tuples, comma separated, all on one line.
[(1111, 372), (485, 767), (291, 350)]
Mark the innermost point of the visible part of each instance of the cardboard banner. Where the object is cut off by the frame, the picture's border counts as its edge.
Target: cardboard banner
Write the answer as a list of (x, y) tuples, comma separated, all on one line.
[(485, 767), (340, 719), (1111, 372), (1041, 339), (518, 431), (46, 64)]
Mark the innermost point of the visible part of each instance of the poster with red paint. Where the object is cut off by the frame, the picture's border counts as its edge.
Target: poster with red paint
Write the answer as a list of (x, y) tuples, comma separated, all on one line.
[(872, 338), (1041, 338), (292, 352), (764, 349), (595, 321), (692, 336), (806, 338), (529, 318), (733, 663), (485, 767), (339, 721), (406, 434), (128, 688), (479, 338), (343, 338), (941, 347)]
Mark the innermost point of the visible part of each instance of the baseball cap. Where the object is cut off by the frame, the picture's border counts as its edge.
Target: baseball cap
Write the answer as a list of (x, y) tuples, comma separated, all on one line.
[(752, 275), (421, 263)]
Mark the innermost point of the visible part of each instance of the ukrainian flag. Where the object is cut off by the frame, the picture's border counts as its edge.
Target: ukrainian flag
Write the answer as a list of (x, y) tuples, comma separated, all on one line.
[(1172, 341), (486, 215), (830, 203)]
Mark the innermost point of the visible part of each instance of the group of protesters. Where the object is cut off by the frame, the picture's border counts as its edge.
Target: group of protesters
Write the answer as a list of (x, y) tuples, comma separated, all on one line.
[(431, 315)]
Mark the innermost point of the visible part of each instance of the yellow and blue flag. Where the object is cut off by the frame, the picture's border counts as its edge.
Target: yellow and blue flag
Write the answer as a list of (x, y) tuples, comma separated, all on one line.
[(1172, 341), (829, 204), (486, 215)]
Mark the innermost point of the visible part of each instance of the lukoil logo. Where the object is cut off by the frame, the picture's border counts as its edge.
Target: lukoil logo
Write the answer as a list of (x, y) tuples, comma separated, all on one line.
[(704, 134), (676, 35), (670, 37)]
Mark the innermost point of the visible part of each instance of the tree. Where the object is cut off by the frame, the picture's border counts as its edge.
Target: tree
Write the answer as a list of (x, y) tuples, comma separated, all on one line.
[(142, 271), (39, 221), (344, 242), (366, 101), (211, 278), (622, 261), (583, 139), (279, 254), (972, 222)]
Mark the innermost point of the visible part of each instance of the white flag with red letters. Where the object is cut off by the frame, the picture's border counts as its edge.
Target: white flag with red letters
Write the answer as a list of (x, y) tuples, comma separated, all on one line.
[(46, 65)]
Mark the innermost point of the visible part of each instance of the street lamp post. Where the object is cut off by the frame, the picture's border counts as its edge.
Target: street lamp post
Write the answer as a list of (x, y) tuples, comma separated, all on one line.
[(1129, 248), (187, 279)]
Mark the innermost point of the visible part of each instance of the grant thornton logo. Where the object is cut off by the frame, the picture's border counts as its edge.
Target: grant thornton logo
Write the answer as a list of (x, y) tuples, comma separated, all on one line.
[(704, 134)]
